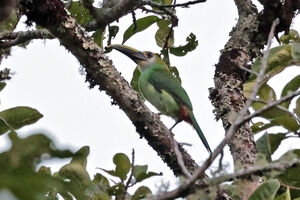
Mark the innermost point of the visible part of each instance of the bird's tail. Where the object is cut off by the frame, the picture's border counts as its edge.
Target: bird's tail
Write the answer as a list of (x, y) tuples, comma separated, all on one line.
[(199, 131)]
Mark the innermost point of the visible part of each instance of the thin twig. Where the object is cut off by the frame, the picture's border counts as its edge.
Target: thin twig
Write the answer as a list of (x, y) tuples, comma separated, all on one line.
[(180, 159), (288, 186), (249, 171), (241, 118), (130, 176), (158, 12), (157, 5), (260, 76), (174, 21), (281, 108), (248, 70), (134, 20)]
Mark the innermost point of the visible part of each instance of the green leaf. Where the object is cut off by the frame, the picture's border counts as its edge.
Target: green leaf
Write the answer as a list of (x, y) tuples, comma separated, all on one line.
[(101, 197), (18, 117), (275, 141), (164, 2), (191, 45), (123, 165), (163, 23), (292, 37), (275, 115), (285, 196), (116, 190), (291, 86), (297, 109), (140, 173), (266, 191), (280, 57), (296, 52), (141, 193), (287, 122), (291, 176), (100, 179), (76, 169), (112, 33), (161, 36), (138, 169), (135, 80), (263, 146), (98, 36), (80, 13), (260, 126), (141, 24), (2, 85), (3, 127)]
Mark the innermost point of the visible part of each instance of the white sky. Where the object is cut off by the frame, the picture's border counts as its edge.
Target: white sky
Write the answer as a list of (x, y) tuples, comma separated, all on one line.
[(47, 78)]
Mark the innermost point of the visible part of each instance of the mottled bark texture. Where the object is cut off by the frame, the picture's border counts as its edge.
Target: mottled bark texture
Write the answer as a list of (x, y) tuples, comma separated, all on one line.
[(7, 8), (248, 37), (100, 72)]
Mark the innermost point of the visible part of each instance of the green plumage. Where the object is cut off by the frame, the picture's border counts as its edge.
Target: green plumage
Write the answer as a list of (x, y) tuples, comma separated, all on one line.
[(161, 89)]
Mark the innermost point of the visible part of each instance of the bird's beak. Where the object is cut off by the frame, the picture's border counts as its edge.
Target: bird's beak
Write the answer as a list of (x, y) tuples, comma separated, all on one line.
[(132, 53)]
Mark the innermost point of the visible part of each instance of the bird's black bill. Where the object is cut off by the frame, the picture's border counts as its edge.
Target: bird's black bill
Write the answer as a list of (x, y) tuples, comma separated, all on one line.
[(132, 53)]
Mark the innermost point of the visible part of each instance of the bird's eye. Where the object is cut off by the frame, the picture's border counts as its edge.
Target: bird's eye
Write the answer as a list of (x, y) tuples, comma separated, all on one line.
[(149, 54)]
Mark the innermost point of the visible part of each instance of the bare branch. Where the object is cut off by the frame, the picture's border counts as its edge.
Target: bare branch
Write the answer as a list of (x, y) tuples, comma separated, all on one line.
[(180, 161), (281, 108), (158, 12), (264, 61), (248, 70), (8, 39), (157, 5), (253, 170), (130, 176), (288, 186)]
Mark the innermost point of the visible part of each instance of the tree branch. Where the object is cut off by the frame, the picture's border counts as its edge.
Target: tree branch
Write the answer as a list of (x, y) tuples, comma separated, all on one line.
[(253, 170), (101, 72), (8, 39), (157, 5)]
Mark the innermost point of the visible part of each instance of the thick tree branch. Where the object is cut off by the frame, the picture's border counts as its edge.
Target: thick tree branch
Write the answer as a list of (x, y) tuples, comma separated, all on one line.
[(101, 72), (227, 96)]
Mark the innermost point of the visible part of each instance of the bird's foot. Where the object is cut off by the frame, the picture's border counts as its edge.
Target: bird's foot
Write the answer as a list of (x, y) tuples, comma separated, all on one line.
[(177, 122)]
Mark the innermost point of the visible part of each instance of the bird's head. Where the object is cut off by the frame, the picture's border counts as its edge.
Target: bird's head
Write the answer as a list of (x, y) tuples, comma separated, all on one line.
[(144, 59)]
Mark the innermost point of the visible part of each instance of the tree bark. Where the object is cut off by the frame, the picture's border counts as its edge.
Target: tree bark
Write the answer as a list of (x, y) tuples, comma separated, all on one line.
[(101, 72)]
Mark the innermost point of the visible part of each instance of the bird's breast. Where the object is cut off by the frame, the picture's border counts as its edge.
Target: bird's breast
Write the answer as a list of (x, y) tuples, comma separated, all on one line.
[(161, 99)]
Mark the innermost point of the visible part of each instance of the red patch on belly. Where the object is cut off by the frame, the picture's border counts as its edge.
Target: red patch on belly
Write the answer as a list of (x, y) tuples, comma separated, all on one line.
[(184, 115)]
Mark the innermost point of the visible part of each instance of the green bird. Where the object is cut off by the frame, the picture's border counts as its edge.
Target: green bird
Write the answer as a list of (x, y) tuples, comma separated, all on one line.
[(161, 89)]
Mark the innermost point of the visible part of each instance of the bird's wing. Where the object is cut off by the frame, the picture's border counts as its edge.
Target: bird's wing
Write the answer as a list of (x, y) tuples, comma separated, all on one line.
[(163, 80)]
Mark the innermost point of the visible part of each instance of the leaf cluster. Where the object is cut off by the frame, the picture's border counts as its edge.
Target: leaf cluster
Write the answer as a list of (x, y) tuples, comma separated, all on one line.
[(20, 179)]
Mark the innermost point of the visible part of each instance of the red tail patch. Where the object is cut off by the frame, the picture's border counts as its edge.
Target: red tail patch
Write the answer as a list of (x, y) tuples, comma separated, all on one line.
[(184, 115)]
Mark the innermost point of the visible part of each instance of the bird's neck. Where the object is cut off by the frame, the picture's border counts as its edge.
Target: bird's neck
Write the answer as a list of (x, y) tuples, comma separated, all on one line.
[(152, 67)]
